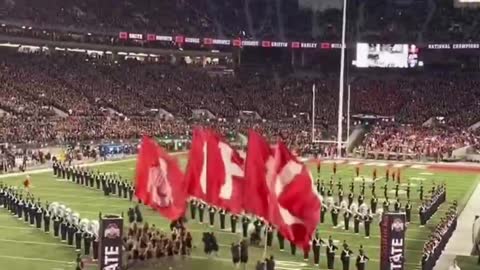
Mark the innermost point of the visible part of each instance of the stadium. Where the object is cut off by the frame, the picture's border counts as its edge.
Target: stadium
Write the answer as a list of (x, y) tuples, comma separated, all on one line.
[(248, 134)]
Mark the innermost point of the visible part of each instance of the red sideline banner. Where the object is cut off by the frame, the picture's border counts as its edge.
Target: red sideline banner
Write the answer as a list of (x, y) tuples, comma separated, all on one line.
[(180, 39), (392, 251), (110, 246), (207, 41)]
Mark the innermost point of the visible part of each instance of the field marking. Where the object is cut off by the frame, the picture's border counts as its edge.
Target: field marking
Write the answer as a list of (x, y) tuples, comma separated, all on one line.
[(354, 163), (419, 166), (88, 164), (399, 165), (35, 259), (426, 173)]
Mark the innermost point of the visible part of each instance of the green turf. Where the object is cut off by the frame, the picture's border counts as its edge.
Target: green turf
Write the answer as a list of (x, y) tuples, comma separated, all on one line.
[(468, 262), (22, 247)]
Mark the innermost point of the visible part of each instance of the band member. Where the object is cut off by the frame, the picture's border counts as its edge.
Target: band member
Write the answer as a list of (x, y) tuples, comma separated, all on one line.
[(131, 215), (362, 187), (398, 205), (373, 203), (20, 208), (316, 245), (421, 213), (361, 260), (70, 234), (193, 208), (322, 213), (245, 222), (408, 191), (26, 183), (345, 256), (386, 205), (334, 167), (361, 198), (374, 174), (244, 252), (56, 225), (398, 176), (318, 185), (87, 242), (397, 188), (78, 239), (233, 222), (331, 249), (281, 241), (258, 224), (408, 211), (322, 189), (55, 168), (32, 214), (373, 188), (335, 215), (356, 223), (235, 250), (38, 217), (329, 192), (201, 209), (46, 220), (346, 219), (269, 235), (222, 214), (350, 199), (63, 230), (293, 249), (387, 175), (367, 221), (352, 187), (357, 171), (340, 195), (95, 247), (385, 190), (318, 167), (420, 192)]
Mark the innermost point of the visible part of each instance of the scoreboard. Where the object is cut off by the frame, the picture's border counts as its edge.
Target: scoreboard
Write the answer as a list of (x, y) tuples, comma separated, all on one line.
[(374, 55)]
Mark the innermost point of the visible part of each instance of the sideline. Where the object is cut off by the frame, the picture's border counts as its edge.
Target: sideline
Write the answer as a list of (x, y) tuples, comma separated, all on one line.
[(86, 164), (461, 241)]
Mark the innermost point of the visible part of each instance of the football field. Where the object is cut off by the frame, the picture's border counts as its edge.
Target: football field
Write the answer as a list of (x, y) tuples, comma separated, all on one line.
[(25, 248)]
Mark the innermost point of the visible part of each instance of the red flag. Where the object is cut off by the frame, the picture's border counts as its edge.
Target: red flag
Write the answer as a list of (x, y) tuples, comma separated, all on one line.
[(196, 173), (258, 154), (225, 176), (294, 204), (159, 181)]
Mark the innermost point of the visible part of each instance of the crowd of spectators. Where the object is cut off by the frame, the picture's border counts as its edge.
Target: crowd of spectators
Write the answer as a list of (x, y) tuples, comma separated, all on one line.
[(388, 21), (417, 141), (73, 98)]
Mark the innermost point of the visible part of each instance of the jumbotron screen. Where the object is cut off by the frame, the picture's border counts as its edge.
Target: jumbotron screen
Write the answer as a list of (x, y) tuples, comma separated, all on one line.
[(373, 55)]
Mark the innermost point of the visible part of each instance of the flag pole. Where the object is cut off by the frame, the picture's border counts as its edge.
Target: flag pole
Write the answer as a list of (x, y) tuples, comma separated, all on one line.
[(341, 81)]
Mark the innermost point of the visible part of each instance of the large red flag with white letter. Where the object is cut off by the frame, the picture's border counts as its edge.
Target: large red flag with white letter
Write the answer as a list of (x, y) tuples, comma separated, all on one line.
[(255, 201), (294, 204), (159, 181), (196, 174), (225, 179)]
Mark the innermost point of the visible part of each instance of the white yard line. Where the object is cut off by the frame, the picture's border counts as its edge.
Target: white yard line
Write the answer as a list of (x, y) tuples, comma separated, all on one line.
[(35, 259)]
